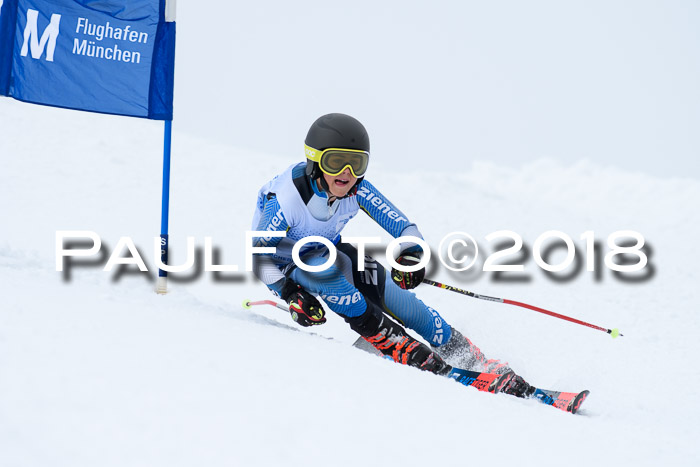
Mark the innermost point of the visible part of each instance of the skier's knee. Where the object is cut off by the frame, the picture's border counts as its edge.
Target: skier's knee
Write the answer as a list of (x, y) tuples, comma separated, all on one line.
[(367, 323)]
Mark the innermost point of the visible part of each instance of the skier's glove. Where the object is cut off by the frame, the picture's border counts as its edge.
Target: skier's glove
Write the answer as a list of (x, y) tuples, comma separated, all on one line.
[(408, 280), (304, 307)]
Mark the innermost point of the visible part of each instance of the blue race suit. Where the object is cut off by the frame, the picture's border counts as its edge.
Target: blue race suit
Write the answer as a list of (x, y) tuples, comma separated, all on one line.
[(292, 203)]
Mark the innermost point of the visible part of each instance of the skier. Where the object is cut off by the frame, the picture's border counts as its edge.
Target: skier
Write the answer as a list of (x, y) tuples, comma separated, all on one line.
[(318, 197)]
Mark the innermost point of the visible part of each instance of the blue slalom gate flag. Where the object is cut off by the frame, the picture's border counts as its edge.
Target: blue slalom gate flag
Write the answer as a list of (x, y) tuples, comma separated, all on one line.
[(107, 56)]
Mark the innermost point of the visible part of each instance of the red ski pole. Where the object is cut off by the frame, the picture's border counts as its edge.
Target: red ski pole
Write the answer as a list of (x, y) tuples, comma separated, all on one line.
[(247, 304), (613, 332)]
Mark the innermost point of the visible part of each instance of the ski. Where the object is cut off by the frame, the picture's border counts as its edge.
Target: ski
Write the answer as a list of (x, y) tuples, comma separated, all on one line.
[(493, 383), (488, 382), (566, 401)]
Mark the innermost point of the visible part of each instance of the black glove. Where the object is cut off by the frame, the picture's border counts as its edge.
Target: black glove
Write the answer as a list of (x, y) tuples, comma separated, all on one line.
[(304, 307), (408, 280)]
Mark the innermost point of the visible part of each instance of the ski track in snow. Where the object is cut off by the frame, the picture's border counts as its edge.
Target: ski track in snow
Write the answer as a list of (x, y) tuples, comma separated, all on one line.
[(98, 371)]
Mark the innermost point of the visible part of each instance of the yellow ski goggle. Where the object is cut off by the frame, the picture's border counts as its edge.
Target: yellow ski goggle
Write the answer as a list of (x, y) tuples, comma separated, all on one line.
[(334, 161)]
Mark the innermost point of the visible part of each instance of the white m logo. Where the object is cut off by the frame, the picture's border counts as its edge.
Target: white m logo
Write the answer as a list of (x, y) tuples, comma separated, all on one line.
[(49, 36)]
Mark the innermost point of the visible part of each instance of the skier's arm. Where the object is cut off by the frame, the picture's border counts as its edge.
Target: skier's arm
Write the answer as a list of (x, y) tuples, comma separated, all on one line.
[(271, 219), (397, 224), (304, 307), (388, 216)]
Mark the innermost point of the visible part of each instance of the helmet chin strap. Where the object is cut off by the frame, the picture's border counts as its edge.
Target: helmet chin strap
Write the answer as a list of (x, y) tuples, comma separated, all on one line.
[(324, 184)]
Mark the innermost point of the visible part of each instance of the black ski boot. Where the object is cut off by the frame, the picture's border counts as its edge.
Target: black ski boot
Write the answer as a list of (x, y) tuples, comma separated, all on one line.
[(518, 387), (393, 341)]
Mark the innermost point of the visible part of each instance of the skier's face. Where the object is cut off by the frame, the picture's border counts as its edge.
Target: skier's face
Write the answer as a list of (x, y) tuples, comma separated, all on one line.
[(339, 185)]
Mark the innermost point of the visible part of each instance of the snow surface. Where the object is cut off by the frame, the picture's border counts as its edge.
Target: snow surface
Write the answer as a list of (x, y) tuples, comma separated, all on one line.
[(99, 370)]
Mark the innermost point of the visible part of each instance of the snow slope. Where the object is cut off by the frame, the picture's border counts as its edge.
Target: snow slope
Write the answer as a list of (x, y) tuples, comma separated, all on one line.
[(99, 370)]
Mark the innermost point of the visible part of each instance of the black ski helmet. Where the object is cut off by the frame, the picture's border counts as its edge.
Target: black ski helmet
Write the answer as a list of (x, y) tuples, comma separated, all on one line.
[(335, 131)]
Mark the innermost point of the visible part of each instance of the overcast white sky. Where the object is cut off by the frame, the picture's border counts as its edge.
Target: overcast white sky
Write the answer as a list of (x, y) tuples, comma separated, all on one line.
[(617, 82)]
